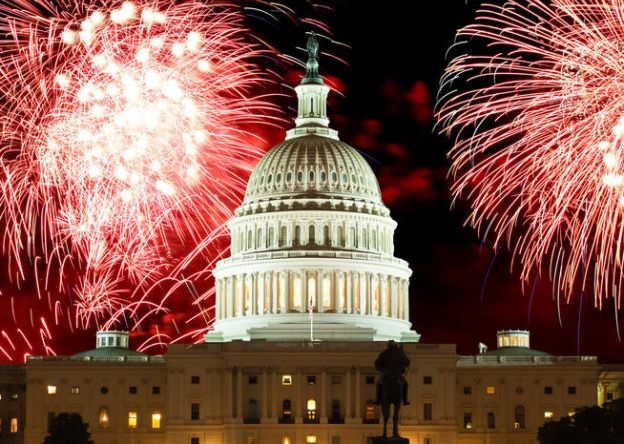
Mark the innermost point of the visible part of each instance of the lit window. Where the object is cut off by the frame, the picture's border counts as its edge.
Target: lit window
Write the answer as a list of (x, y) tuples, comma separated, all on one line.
[(286, 380), (311, 439), (467, 420), (370, 410), (548, 415), (251, 440), (13, 425), (156, 420), (132, 420), (14, 396), (490, 390), (311, 380), (51, 390), (286, 440), (75, 390), (570, 414), (311, 404), (103, 420)]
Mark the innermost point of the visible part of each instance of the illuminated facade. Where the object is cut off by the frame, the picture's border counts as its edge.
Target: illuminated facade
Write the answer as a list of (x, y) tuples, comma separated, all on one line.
[(307, 300)]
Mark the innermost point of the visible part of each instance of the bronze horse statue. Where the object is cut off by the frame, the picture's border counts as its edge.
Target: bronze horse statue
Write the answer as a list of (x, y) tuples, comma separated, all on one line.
[(391, 394)]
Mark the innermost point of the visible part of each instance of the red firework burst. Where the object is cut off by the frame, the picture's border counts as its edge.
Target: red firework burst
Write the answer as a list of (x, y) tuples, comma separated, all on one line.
[(536, 107), (123, 153)]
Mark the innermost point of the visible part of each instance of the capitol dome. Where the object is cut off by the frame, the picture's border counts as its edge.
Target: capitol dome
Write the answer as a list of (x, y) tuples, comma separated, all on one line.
[(312, 252)]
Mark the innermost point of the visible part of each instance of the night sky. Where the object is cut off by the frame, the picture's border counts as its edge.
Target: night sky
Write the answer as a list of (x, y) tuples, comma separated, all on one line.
[(462, 291)]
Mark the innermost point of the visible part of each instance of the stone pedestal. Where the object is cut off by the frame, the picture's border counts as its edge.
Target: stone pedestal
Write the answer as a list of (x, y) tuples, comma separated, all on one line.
[(382, 440)]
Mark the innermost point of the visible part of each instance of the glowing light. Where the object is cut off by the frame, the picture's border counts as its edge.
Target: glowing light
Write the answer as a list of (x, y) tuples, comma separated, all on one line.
[(535, 109)]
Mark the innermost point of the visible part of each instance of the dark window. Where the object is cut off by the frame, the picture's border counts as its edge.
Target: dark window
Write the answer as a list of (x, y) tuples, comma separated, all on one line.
[(428, 440), (336, 379), (194, 411), (335, 409), (156, 390), (467, 390), (427, 411), (491, 420), (427, 380), (50, 418), (467, 420), (609, 396), (194, 379), (252, 409), (519, 390), (286, 409), (194, 440), (548, 390), (311, 380), (253, 380), (103, 390), (519, 422), (572, 390), (132, 389), (370, 380)]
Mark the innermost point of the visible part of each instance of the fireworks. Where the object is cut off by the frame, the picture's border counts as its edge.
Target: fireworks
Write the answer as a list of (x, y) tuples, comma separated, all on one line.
[(537, 112), (123, 153)]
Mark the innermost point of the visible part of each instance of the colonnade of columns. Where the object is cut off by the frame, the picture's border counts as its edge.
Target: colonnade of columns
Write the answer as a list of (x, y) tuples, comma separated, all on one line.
[(294, 291)]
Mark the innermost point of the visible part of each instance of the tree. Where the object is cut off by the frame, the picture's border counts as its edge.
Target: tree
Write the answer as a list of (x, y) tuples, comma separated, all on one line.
[(68, 428), (588, 425)]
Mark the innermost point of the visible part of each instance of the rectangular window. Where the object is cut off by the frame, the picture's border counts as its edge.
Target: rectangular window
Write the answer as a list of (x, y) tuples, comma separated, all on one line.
[(335, 440), (286, 380), (609, 396), (50, 419), (310, 439), (156, 390), (548, 414), (370, 380), (14, 425), (311, 380), (195, 411), (75, 390), (253, 380), (427, 380), (490, 390), (132, 420), (195, 379), (427, 411), (51, 390), (14, 396), (132, 389), (548, 390), (491, 420), (251, 440), (428, 440), (467, 420), (156, 420), (194, 440), (467, 390), (572, 390)]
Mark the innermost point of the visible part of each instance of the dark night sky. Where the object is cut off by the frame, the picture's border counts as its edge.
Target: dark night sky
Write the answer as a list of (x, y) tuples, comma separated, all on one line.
[(461, 291)]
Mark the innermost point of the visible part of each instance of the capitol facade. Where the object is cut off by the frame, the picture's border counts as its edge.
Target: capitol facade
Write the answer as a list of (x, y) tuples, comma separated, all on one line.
[(308, 298)]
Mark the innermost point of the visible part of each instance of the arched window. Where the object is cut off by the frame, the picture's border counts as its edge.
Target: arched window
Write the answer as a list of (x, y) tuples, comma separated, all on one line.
[(311, 235), (519, 421), (340, 236), (271, 240), (353, 239), (286, 409), (311, 407), (249, 239), (103, 418), (297, 238), (364, 238), (282, 239), (326, 239), (259, 238), (374, 239)]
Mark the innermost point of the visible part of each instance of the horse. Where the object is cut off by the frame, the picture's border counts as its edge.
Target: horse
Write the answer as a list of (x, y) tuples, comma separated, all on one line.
[(391, 394)]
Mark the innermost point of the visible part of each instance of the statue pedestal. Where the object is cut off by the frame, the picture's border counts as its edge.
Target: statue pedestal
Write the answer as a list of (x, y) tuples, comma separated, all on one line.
[(382, 440)]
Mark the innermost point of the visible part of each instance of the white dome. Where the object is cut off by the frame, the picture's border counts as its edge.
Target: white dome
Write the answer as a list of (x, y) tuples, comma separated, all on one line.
[(312, 243)]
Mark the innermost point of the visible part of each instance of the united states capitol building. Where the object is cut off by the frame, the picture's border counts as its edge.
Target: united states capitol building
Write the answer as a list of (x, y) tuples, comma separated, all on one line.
[(308, 298)]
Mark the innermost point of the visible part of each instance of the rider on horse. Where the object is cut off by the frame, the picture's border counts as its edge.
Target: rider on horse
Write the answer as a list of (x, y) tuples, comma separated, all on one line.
[(392, 362)]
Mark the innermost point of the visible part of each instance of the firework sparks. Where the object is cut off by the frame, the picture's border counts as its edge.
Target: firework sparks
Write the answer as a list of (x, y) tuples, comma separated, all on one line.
[(537, 112), (123, 148)]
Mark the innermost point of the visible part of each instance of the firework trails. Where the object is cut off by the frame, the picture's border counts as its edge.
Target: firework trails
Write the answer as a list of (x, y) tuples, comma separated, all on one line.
[(537, 112), (122, 155)]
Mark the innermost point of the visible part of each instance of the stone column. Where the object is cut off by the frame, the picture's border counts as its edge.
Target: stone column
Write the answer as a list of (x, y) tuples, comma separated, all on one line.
[(297, 408), (348, 291), (319, 290), (274, 284), (358, 393), (335, 286), (273, 400), (230, 296), (264, 412), (239, 393), (254, 293), (260, 290), (323, 396)]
